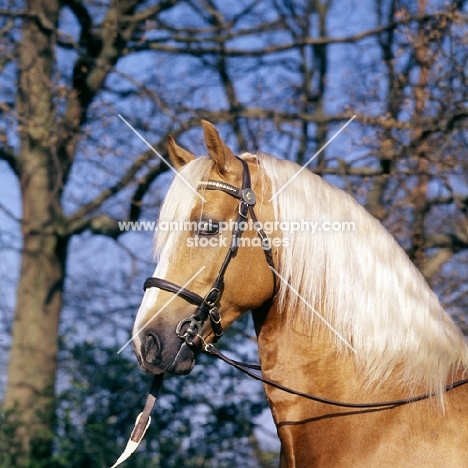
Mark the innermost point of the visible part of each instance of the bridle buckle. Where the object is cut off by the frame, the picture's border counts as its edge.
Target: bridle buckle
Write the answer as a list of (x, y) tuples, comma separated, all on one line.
[(212, 297)]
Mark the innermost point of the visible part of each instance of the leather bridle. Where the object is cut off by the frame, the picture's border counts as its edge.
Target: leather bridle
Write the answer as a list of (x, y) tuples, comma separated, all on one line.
[(191, 327)]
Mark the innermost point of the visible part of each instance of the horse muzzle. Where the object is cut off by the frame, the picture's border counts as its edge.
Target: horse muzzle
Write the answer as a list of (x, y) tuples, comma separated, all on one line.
[(157, 355)]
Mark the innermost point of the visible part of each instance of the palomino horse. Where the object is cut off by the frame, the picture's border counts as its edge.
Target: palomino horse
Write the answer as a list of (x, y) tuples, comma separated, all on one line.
[(339, 311)]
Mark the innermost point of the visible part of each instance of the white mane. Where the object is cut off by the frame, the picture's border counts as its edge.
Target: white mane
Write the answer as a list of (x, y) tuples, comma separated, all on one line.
[(361, 282), (364, 285)]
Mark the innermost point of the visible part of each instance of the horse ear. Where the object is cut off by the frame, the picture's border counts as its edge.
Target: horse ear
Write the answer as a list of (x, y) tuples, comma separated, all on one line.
[(221, 154), (178, 156)]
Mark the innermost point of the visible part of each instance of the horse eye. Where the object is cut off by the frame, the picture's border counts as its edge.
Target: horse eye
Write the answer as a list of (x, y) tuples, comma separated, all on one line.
[(208, 228)]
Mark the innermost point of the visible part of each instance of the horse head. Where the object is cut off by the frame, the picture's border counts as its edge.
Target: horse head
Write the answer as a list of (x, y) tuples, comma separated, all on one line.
[(212, 255)]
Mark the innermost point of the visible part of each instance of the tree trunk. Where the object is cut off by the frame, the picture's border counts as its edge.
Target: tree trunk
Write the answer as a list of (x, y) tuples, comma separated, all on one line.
[(33, 358)]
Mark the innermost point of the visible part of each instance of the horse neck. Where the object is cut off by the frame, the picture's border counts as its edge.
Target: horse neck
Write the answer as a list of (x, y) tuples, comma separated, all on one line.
[(307, 360), (316, 434)]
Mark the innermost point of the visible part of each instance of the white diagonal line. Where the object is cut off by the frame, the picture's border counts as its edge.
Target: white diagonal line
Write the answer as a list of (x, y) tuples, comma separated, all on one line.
[(161, 158), (161, 309), (312, 158), (313, 310)]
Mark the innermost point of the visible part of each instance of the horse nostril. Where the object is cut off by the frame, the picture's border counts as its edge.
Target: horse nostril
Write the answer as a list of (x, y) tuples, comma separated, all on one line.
[(151, 346)]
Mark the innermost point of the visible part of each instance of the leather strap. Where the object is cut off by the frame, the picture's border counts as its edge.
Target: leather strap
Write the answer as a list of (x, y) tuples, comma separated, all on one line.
[(212, 351), (160, 283), (142, 423)]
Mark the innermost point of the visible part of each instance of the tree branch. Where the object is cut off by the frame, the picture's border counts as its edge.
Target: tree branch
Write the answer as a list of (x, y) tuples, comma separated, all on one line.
[(10, 158), (454, 241), (459, 200), (149, 13), (103, 224), (222, 68), (433, 265), (142, 188), (189, 43), (76, 220), (9, 213), (92, 68)]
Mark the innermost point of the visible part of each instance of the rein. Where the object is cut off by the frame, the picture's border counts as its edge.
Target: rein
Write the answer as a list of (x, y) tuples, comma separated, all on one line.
[(144, 418), (243, 367)]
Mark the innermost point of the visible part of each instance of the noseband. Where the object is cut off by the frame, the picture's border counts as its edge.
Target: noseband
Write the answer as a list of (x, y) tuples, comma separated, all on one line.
[(189, 328)]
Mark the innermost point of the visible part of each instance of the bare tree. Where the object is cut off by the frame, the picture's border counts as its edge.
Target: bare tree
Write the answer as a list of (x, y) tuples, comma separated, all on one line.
[(51, 118), (264, 72)]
